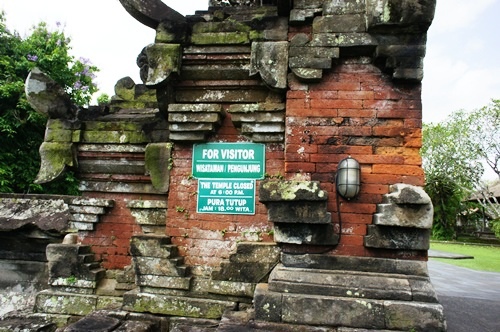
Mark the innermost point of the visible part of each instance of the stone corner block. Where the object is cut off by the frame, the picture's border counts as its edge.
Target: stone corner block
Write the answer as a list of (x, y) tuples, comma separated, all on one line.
[(405, 206)]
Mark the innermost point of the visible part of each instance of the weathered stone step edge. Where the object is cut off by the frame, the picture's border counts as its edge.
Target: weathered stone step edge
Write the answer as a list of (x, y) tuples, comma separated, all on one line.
[(163, 251), (363, 313), (363, 293), (86, 258), (361, 264), (51, 302), (176, 305)]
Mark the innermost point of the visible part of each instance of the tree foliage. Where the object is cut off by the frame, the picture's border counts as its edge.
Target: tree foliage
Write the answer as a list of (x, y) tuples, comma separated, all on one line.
[(21, 128), (485, 129), (454, 153)]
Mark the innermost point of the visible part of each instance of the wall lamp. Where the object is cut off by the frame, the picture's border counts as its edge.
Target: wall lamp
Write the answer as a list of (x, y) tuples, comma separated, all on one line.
[(348, 178)]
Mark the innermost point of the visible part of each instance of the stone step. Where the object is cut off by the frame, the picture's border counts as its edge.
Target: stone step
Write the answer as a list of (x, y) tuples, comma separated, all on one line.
[(86, 258), (360, 313), (152, 246), (175, 305), (361, 285), (84, 250), (160, 266), (50, 302), (92, 265)]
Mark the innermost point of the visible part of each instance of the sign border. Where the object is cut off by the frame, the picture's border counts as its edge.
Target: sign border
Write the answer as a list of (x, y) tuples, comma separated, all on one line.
[(253, 210), (223, 175)]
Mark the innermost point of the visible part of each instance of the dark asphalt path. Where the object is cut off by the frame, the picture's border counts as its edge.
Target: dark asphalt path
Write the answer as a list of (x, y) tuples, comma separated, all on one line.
[(471, 299)]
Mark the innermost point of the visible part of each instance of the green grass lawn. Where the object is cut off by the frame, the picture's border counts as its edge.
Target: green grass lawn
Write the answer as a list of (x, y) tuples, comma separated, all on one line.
[(486, 258)]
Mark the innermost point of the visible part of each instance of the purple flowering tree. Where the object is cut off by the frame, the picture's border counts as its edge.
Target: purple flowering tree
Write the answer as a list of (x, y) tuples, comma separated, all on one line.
[(21, 128)]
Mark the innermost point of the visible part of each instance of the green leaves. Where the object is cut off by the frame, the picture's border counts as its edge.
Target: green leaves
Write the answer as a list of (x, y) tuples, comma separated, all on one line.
[(485, 128), (21, 128), (454, 153), (49, 51)]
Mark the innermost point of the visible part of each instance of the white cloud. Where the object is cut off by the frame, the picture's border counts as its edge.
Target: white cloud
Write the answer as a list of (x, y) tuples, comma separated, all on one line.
[(457, 14), (461, 65)]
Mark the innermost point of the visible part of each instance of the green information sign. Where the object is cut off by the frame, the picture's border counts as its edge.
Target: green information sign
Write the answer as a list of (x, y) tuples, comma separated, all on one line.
[(229, 161), (226, 196)]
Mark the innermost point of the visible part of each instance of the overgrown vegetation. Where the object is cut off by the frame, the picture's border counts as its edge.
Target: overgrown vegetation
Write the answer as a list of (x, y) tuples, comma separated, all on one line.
[(21, 128)]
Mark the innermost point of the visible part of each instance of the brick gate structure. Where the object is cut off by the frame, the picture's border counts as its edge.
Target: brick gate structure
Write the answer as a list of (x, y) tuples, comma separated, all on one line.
[(193, 232)]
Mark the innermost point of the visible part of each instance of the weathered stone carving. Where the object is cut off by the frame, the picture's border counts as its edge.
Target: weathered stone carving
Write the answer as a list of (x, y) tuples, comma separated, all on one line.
[(298, 210), (411, 16), (262, 122), (403, 221), (193, 122), (55, 158), (151, 12), (57, 151), (158, 63), (249, 265), (270, 59), (405, 206), (150, 215), (158, 162), (392, 31), (129, 95), (47, 97), (61, 214)]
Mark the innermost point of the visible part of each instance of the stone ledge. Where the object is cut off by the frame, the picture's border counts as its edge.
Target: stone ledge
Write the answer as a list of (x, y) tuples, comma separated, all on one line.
[(175, 305), (349, 299), (363, 264)]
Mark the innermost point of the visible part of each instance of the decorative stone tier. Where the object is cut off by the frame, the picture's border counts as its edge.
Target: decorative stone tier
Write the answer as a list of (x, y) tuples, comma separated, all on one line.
[(73, 278), (403, 221), (360, 293), (299, 212), (166, 287), (151, 215), (51, 213)]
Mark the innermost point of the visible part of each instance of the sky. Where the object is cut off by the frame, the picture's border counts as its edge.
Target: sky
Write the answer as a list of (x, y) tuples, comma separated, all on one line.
[(461, 68)]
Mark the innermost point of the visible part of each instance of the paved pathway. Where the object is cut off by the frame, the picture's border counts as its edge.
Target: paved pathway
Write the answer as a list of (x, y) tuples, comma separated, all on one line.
[(471, 299)]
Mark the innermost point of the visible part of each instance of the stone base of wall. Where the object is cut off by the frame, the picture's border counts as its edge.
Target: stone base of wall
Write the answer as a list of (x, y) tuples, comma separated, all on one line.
[(361, 293)]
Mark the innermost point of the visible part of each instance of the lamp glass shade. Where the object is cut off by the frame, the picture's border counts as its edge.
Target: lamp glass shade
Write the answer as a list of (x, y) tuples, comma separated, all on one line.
[(348, 179)]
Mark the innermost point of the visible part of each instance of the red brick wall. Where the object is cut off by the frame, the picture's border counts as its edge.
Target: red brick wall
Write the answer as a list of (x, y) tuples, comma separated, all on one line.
[(355, 110), (206, 239), (110, 239)]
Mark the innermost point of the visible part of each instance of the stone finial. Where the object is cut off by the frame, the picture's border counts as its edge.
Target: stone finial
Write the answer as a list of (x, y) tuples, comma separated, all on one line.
[(158, 63), (270, 59), (47, 97)]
